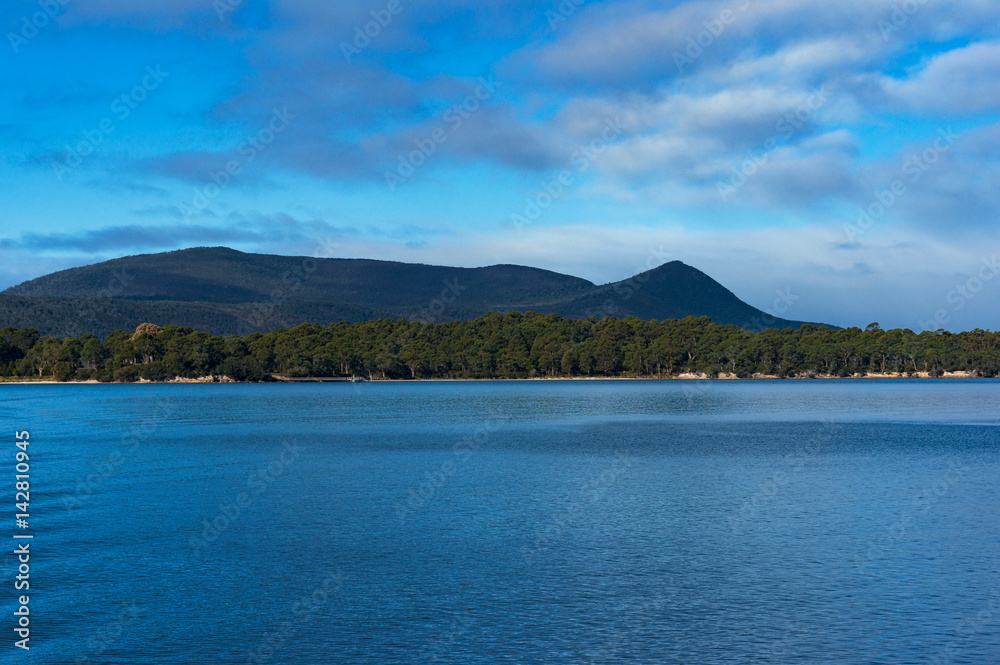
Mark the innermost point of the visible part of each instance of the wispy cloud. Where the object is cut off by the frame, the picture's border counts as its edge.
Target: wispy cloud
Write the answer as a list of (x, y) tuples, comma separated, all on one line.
[(255, 230)]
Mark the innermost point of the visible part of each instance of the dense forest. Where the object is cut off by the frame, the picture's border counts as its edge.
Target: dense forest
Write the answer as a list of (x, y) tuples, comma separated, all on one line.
[(497, 346)]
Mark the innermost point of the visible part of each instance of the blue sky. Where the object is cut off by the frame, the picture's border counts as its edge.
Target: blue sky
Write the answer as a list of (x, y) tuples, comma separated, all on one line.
[(834, 162)]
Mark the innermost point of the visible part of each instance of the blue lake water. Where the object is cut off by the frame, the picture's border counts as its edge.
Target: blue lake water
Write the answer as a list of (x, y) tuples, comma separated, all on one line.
[(510, 522)]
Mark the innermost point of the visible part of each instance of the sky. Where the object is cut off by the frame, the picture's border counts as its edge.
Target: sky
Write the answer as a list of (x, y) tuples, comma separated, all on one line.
[(832, 162)]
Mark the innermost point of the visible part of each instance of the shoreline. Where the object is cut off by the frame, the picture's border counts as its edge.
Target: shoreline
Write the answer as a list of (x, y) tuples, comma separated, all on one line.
[(680, 377)]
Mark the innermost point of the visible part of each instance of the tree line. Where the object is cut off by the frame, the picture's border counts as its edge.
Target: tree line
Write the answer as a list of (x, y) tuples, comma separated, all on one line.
[(497, 346)]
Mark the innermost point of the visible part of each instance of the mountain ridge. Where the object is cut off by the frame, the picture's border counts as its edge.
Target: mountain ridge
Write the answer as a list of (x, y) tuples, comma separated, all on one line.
[(226, 291)]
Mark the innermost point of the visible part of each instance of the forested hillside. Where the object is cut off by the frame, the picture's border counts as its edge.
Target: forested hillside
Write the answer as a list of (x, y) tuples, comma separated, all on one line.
[(96, 316), (227, 292)]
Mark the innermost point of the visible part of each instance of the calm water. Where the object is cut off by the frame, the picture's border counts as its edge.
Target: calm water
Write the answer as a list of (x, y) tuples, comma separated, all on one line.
[(511, 522)]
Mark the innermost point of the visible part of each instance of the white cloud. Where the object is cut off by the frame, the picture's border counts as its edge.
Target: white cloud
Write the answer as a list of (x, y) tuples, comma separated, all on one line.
[(958, 82)]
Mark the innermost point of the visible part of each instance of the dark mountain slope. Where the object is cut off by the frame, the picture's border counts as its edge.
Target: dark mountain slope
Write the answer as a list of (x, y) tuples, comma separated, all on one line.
[(671, 291), (229, 292), (224, 275)]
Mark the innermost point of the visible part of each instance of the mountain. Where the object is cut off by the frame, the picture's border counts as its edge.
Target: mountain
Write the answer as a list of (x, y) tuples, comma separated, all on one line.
[(225, 291)]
